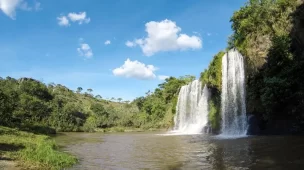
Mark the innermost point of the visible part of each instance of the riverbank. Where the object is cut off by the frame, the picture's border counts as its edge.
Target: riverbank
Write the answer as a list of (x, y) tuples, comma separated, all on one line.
[(124, 129), (31, 151)]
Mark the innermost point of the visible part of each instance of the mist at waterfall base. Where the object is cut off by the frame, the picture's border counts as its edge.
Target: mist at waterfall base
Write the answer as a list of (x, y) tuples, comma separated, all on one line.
[(233, 106), (192, 109)]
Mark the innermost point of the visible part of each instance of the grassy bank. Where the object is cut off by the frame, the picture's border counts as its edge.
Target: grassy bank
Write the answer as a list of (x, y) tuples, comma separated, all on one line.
[(31, 151)]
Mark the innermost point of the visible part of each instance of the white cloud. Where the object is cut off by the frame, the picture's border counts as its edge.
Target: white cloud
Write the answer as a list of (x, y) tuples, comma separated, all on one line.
[(81, 17), (108, 42), (8, 7), (63, 21), (163, 77), (85, 50), (135, 69), (165, 36), (130, 44)]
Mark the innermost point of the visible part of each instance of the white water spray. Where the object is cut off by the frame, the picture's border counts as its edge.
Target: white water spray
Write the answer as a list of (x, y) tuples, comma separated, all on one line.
[(234, 121), (192, 109)]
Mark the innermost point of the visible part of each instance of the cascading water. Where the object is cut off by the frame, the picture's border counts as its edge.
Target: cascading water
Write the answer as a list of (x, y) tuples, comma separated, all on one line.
[(191, 109), (234, 121)]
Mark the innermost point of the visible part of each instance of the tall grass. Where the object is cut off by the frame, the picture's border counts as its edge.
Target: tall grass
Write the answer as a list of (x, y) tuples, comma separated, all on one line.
[(33, 151)]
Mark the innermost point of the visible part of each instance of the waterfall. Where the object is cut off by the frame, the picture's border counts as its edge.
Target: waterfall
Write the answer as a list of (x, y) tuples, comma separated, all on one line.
[(234, 121), (191, 109)]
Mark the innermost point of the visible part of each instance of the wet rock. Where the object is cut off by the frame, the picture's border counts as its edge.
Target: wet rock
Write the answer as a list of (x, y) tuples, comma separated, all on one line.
[(253, 125)]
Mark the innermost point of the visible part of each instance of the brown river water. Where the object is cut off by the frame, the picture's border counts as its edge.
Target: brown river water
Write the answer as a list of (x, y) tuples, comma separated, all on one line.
[(131, 151)]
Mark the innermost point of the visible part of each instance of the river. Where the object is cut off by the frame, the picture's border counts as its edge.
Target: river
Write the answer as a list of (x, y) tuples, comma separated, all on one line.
[(124, 151)]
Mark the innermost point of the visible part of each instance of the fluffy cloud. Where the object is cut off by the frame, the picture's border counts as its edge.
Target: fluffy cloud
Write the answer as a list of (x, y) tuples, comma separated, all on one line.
[(63, 21), (130, 44), (165, 36), (85, 50), (9, 7), (135, 69), (108, 42), (81, 17), (163, 77)]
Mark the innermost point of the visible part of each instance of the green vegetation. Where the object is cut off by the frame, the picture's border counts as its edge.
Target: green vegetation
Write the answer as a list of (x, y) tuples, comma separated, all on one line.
[(32, 151), (256, 24), (214, 116), (269, 33), (157, 109), (212, 77), (31, 105)]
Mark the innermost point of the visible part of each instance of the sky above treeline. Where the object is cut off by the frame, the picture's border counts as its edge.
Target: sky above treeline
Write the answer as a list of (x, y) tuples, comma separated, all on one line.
[(118, 48)]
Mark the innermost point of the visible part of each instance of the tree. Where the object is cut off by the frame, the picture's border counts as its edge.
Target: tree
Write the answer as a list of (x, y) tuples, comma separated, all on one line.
[(32, 109), (148, 92), (5, 109), (79, 89), (187, 78), (139, 102), (51, 85), (98, 97), (90, 90), (67, 116), (119, 99)]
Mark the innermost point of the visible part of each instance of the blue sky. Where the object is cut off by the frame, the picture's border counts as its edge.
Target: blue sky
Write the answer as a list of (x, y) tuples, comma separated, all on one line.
[(84, 42)]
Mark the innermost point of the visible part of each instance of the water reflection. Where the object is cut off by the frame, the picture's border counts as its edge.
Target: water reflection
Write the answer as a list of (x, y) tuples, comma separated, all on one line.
[(150, 151)]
